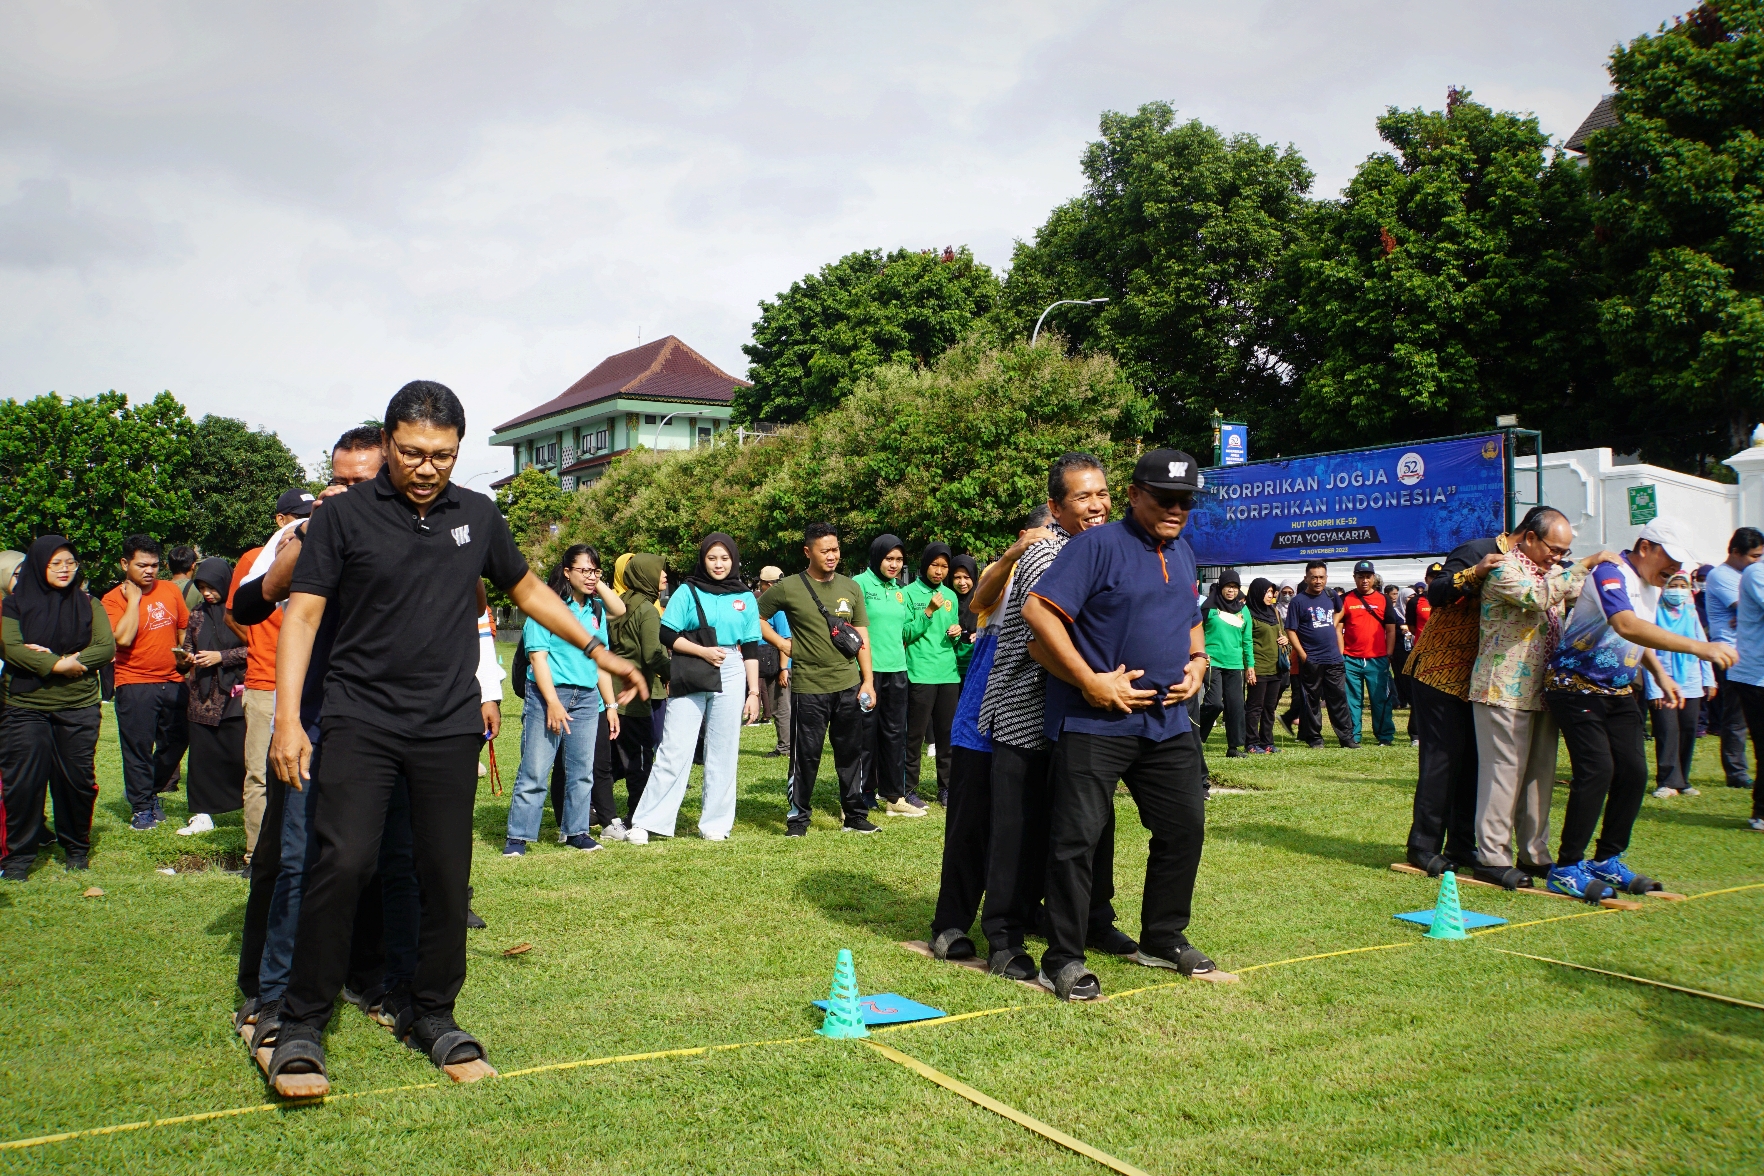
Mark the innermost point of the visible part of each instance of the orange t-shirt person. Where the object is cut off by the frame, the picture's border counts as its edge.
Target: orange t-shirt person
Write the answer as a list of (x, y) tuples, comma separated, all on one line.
[(260, 639), (163, 617)]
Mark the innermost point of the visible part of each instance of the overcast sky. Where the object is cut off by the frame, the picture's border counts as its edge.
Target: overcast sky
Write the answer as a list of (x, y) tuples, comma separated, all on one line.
[(283, 212)]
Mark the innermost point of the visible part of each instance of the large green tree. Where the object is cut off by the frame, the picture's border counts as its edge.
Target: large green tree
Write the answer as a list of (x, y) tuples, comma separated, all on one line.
[(821, 336), (957, 450), (1447, 285), (1181, 228), (1680, 180), (531, 502), (94, 470), (235, 476)]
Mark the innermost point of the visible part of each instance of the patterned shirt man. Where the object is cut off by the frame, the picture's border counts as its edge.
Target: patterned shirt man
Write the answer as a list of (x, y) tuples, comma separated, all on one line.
[(1016, 690)]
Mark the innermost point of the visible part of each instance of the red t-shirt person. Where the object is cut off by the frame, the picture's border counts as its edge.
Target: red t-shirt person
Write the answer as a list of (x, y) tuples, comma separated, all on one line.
[(163, 616), (1363, 619), (260, 640)]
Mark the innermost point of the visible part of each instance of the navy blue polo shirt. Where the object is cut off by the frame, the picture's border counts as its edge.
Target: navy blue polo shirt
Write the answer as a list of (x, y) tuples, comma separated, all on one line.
[(1129, 600)]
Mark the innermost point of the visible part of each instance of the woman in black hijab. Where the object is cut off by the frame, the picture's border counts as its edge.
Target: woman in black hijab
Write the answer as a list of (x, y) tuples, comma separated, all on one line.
[(883, 757), (932, 638), (52, 640), (1269, 640), (964, 574), (215, 672)]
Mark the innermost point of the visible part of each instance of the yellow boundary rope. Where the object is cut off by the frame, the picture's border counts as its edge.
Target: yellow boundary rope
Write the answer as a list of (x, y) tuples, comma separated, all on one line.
[(689, 1051), (1011, 1113), (1732, 1000)]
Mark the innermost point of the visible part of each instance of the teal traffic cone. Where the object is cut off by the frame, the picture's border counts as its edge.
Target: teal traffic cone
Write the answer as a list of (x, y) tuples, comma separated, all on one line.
[(1448, 916), (843, 1017)]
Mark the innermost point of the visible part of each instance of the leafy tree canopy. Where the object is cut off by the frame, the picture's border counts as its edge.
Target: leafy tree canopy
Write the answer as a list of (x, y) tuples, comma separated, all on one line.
[(956, 451), (94, 470), (1181, 228), (531, 503), (1680, 181), (1447, 285), (812, 345), (235, 476)]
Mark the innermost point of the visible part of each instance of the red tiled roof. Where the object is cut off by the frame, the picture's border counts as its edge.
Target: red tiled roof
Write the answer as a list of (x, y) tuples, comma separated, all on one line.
[(666, 369), (588, 463)]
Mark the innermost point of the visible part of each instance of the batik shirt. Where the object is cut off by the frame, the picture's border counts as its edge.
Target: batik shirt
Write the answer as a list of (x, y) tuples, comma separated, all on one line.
[(1521, 625), (1016, 690)]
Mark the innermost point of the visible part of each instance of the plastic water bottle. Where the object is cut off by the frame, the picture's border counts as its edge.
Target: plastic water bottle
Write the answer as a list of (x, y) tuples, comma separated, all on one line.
[(865, 702)]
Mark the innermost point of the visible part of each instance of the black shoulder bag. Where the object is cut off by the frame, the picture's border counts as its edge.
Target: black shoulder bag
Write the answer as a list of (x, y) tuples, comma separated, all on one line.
[(694, 675), (846, 639)]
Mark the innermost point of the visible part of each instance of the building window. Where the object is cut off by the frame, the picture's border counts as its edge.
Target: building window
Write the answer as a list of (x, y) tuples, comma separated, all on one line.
[(649, 418), (704, 436), (594, 442), (545, 455)]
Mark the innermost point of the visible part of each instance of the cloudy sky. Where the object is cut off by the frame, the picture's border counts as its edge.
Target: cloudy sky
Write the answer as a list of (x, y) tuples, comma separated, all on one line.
[(281, 212)]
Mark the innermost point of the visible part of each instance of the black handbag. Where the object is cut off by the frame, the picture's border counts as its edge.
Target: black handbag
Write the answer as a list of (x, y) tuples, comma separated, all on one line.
[(694, 675), (846, 638)]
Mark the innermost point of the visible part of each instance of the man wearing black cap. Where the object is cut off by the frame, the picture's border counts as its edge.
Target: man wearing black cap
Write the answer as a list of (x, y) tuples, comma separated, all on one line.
[(1367, 624), (1314, 645), (1118, 627)]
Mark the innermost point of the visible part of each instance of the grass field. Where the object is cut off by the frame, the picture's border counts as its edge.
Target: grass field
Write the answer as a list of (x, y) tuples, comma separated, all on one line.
[(1444, 1057)]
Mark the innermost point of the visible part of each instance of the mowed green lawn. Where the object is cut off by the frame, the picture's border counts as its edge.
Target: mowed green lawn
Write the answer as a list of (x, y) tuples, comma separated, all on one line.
[(1443, 1057)]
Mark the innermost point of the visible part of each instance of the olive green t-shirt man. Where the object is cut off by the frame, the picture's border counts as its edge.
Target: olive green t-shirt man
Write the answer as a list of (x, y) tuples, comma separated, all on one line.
[(815, 666)]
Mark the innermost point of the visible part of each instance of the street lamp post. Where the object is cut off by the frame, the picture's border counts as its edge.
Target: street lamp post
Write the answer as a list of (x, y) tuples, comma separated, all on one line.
[(1063, 302), (660, 423)]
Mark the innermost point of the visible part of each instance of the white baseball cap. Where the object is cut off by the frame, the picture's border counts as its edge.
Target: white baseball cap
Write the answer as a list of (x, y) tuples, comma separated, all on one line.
[(1666, 534)]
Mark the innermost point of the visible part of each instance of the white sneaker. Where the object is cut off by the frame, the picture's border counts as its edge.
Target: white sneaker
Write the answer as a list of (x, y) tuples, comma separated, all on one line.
[(1665, 793), (199, 823), (719, 837), (1757, 823), (637, 835), (1690, 792), (903, 808), (482, 771), (615, 831)]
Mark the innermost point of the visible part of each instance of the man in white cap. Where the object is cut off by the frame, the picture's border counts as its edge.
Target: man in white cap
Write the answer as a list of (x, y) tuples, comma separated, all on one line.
[(1591, 692)]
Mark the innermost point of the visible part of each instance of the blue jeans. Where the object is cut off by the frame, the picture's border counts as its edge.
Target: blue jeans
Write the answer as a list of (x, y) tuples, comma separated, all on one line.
[(284, 910), (1371, 675), (539, 750)]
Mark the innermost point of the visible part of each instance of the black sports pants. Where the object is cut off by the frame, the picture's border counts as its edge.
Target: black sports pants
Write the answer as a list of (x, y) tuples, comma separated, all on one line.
[(636, 750), (1324, 686), (153, 732), (815, 719), (1444, 820), (967, 836), (1675, 743), (1168, 785), (885, 736), (931, 711), (1750, 700), (1261, 708), (1223, 695), (48, 754), (354, 779), (1605, 746)]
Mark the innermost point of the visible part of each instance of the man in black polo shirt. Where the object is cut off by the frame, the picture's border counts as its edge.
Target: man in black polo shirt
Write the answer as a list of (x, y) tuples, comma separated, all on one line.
[(1118, 626), (400, 558)]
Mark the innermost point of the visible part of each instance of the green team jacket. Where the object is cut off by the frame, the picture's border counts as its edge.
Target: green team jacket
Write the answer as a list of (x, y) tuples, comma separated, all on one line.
[(1267, 649), (931, 653), (61, 693), (1230, 639), (892, 622)]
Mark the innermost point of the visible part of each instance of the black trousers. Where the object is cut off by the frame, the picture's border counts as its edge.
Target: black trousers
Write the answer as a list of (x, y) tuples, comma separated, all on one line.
[(885, 737), (1675, 743), (48, 754), (1261, 706), (354, 781), (1730, 722), (266, 863), (1324, 686), (1444, 820), (930, 712), (967, 838), (1605, 746), (814, 720), (1223, 695), (152, 730), (636, 752), (1018, 812), (1168, 786), (1750, 703)]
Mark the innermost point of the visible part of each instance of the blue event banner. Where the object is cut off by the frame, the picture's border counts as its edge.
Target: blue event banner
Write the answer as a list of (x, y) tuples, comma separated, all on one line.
[(1419, 499)]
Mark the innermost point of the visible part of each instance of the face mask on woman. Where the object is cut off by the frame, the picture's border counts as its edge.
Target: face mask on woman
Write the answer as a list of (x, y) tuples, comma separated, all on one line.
[(1675, 597)]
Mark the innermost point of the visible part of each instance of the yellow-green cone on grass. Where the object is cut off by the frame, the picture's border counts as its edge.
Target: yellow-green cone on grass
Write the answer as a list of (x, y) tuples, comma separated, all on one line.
[(1448, 916), (843, 1018)]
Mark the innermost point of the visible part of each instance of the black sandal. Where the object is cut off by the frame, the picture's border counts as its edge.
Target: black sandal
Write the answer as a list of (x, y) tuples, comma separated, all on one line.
[(445, 1043), (1509, 877), (247, 1014), (269, 1023), (1432, 863), (298, 1051), (951, 944)]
